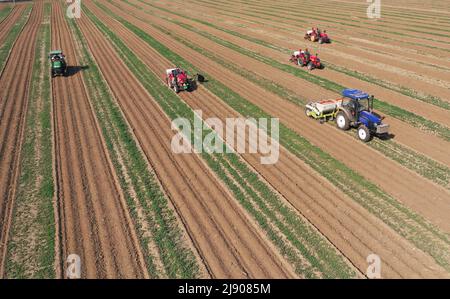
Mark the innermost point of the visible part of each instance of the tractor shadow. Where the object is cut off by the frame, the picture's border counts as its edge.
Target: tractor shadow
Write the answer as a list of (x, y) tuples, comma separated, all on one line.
[(198, 79), (73, 70), (387, 137)]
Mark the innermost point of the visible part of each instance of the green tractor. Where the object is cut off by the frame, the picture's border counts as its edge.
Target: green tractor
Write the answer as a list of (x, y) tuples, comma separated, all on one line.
[(58, 63)]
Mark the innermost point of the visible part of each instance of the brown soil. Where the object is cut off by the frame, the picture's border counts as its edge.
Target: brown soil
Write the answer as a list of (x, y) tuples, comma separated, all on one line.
[(93, 218), (14, 92)]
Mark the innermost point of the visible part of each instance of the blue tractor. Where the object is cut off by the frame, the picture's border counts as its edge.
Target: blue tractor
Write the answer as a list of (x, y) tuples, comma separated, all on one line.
[(356, 110)]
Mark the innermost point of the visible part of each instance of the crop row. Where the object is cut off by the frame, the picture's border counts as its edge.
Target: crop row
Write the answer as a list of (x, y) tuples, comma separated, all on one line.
[(404, 221), (296, 239)]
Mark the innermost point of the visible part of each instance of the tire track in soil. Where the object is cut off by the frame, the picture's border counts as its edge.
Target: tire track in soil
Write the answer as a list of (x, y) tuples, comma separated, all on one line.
[(9, 21), (406, 186), (230, 246), (349, 28), (407, 135), (356, 233), (339, 34), (421, 108), (14, 93), (93, 217)]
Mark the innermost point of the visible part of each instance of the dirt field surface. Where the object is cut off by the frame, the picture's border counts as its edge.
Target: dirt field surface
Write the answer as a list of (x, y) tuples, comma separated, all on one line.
[(117, 201)]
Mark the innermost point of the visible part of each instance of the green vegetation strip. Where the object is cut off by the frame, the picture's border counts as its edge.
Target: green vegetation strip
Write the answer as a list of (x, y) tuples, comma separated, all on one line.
[(430, 99), (407, 223), (4, 12), (366, 34), (387, 108), (418, 163), (31, 248), (302, 245), (135, 177), (10, 39), (318, 11), (299, 17)]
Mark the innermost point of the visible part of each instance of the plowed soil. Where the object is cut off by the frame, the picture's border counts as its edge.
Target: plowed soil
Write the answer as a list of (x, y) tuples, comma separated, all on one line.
[(402, 58)]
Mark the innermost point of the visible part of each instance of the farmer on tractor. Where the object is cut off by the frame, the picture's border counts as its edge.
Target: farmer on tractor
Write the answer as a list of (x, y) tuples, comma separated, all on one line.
[(353, 110), (177, 79), (307, 55), (315, 35), (304, 58)]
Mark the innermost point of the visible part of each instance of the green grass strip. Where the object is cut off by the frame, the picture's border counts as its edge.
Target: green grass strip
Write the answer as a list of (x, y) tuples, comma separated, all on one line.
[(178, 260), (430, 99), (4, 12), (315, 13), (13, 34), (299, 17), (319, 254), (385, 107), (418, 163), (31, 249), (407, 223), (241, 14)]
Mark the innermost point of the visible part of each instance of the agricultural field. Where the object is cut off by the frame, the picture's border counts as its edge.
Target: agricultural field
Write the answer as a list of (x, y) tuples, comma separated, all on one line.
[(107, 172)]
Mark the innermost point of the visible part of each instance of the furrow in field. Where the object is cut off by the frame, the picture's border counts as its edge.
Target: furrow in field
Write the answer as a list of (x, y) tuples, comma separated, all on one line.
[(229, 244), (14, 93), (398, 95), (415, 75), (364, 159), (9, 21), (31, 245), (167, 248), (93, 216), (285, 174), (341, 33), (347, 25)]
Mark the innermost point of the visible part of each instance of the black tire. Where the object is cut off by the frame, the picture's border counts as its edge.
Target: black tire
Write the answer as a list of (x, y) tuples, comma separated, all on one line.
[(310, 66), (320, 41), (176, 88), (364, 133), (307, 110), (342, 121)]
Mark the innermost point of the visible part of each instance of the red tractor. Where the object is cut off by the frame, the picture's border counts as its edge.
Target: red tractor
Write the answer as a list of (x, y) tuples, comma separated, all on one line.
[(324, 38), (314, 63), (177, 79), (315, 35), (304, 58)]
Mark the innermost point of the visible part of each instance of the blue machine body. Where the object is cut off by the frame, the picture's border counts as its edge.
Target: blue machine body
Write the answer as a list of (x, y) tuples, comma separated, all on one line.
[(366, 117)]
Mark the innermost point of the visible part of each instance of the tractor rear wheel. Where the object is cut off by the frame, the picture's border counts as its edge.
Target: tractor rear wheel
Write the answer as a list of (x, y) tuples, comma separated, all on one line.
[(364, 133), (320, 41), (176, 88), (342, 121), (310, 66)]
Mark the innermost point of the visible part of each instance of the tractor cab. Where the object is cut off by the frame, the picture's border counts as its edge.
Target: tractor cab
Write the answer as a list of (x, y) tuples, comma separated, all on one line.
[(58, 63), (356, 110), (355, 102)]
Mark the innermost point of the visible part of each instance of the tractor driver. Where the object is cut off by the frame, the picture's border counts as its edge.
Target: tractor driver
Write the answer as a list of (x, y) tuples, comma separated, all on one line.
[(307, 55)]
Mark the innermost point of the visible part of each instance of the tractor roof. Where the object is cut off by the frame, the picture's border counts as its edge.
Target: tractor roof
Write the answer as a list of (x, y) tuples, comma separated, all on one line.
[(355, 94), (56, 52)]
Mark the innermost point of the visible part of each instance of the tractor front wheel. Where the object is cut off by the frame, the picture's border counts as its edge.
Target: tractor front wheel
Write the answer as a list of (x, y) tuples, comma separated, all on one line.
[(342, 121), (307, 112), (364, 133)]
